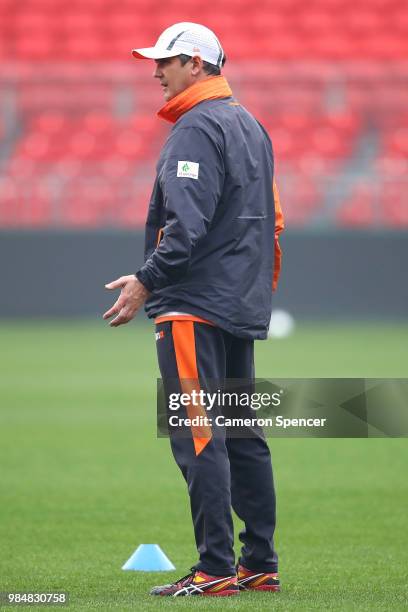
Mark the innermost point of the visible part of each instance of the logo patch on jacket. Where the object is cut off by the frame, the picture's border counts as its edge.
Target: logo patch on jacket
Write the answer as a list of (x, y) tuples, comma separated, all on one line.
[(188, 169)]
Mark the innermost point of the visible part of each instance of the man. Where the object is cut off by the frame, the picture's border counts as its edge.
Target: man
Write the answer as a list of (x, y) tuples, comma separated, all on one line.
[(211, 257)]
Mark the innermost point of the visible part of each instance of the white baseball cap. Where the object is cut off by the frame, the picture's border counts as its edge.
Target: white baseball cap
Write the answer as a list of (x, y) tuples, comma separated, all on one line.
[(188, 38)]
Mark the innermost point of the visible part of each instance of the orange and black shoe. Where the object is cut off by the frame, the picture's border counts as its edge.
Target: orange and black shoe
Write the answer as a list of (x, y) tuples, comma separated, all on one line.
[(199, 583), (257, 581)]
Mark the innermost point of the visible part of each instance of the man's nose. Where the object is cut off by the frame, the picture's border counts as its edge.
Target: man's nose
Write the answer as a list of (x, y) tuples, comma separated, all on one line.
[(156, 72)]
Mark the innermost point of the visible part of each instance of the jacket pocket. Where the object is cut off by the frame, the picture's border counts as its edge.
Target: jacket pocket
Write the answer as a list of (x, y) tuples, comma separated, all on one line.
[(252, 217)]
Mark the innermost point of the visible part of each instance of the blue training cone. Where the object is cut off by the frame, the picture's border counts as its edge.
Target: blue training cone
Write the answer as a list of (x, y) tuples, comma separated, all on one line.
[(149, 558)]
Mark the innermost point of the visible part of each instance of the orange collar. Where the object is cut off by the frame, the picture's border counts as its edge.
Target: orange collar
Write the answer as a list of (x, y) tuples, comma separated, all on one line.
[(210, 89)]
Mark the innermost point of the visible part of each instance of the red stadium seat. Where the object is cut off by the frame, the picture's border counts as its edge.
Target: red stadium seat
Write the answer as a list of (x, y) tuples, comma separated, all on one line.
[(51, 123), (327, 141), (37, 47), (360, 209), (25, 203), (391, 167), (394, 204), (396, 143)]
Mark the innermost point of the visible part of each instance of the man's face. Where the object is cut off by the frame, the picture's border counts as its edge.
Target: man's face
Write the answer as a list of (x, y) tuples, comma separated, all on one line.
[(174, 78)]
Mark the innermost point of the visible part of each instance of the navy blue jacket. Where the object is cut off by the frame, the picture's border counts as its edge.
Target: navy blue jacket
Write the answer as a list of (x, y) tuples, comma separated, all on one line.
[(209, 246)]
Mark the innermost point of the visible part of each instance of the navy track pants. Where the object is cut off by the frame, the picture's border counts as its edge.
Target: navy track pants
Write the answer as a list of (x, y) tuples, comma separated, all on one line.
[(221, 471)]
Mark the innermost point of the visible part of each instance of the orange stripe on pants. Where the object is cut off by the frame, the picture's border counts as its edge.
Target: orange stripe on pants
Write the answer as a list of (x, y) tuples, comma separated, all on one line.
[(184, 347)]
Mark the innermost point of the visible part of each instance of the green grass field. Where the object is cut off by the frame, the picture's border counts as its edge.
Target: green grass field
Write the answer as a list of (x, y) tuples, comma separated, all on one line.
[(84, 479)]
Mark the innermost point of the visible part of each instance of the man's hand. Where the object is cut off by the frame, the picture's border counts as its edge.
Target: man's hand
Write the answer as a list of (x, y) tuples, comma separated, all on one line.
[(132, 296)]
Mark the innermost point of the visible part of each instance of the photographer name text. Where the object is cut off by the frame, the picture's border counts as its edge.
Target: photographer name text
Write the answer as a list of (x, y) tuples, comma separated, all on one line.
[(223, 421)]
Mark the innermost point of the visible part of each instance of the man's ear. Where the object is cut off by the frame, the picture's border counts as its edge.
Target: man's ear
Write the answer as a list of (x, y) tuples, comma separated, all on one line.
[(197, 65)]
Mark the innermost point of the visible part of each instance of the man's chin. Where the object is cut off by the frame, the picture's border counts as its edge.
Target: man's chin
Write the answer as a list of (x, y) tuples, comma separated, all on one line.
[(169, 95)]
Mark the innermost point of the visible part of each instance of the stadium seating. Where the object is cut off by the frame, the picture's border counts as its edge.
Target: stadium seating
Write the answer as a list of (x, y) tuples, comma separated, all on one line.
[(284, 29), (80, 138)]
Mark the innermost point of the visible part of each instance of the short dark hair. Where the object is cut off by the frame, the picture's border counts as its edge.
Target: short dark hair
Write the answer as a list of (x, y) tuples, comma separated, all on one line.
[(208, 68)]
